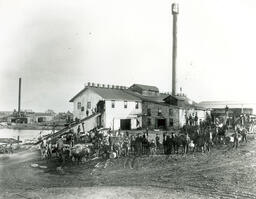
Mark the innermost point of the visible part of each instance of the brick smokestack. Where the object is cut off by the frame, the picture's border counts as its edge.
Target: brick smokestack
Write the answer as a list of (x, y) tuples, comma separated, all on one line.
[(19, 96), (175, 12)]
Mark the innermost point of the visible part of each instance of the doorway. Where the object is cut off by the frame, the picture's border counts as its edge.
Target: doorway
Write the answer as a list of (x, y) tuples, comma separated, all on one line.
[(125, 124), (160, 123)]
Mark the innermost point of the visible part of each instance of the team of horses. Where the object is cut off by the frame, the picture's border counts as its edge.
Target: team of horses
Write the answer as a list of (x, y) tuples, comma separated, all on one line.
[(189, 139)]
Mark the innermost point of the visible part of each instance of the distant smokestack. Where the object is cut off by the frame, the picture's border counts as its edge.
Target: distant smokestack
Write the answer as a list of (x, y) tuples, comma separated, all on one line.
[(19, 96), (175, 12)]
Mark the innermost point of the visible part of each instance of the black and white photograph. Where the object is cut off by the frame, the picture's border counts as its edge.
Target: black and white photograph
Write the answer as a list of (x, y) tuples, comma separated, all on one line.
[(127, 99)]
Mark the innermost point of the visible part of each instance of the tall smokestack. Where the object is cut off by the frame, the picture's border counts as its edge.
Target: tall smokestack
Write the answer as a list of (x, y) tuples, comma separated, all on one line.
[(175, 12), (19, 96)]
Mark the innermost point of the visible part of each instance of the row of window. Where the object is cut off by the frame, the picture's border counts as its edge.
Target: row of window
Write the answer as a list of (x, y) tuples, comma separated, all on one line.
[(149, 123), (79, 106), (159, 113), (125, 104)]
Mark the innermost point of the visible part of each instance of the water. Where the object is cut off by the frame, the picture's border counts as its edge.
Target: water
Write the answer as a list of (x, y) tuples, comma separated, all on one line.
[(23, 134)]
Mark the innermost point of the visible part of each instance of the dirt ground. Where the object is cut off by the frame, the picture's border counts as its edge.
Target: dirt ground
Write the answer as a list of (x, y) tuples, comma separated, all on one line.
[(223, 173)]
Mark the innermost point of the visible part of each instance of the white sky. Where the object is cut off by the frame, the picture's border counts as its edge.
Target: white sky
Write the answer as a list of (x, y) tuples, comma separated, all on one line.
[(58, 45)]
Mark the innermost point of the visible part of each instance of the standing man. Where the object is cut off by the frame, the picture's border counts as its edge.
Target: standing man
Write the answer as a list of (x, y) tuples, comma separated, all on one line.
[(78, 130), (78, 134), (186, 118), (236, 137), (244, 134), (190, 120), (49, 150), (164, 144), (196, 120), (157, 142), (138, 145), (60, 146)]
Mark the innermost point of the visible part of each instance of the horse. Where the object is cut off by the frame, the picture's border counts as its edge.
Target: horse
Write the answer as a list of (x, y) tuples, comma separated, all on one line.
[(79, 151), (244, 132), (208, 138), (221, 133), (152, 147), (200, 142), (168, 145), (125, 145), (181, 140)]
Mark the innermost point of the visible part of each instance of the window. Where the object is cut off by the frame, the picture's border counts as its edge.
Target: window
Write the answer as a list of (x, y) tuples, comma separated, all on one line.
[(149, 112), (170, 112), (89, 105), (170, 122), (136, 105), (78, 105), (159, 111), (113, 103), (125, 104), (149, 122), (82, 108)]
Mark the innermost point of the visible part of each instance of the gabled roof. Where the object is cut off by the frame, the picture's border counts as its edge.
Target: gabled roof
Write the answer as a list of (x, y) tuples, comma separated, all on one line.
[(114, 94), (146, 87), (109, 94)]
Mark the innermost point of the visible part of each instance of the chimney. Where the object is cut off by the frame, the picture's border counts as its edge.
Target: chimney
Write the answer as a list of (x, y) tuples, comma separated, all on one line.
[(175, 12), (113, 86), (89, 84), (19, 96), (108, 86), (98, 85), (93, 84), (103, 85)]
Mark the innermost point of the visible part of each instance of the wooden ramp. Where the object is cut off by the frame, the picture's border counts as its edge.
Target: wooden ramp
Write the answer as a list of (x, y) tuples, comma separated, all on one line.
[(71, 126)]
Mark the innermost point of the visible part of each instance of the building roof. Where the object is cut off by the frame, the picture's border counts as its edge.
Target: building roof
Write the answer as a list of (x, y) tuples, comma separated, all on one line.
[(146, 87), (40, 114), (152, 98), (186, 102), (157, 99), (129, 95), (109, 94), (226, 102), (223, 104)]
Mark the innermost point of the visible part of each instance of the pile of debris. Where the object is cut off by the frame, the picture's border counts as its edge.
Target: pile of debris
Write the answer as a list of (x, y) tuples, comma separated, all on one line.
[(8, 145)]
